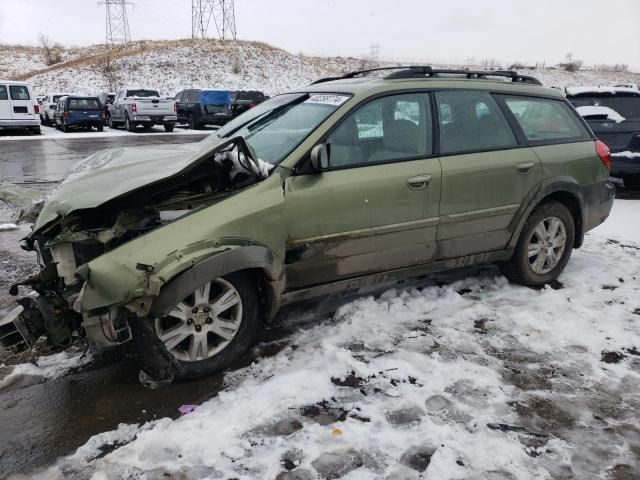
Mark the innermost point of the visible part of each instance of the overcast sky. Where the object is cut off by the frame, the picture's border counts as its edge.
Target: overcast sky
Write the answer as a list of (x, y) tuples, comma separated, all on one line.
[(529, 31)]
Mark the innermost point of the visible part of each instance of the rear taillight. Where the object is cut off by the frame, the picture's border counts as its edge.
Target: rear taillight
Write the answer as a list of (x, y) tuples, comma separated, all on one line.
[(36, 109), (134, 107), (66, 114), (604, 153)]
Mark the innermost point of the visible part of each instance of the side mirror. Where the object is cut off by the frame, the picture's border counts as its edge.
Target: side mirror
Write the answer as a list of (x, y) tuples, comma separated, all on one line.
[(320, 157)]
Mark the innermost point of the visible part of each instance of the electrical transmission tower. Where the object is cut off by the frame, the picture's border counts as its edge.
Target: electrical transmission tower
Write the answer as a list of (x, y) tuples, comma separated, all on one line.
[(221, 11), (116, 21)]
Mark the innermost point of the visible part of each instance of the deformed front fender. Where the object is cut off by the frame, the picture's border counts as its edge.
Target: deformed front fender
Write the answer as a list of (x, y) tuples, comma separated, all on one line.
[(250, 257)]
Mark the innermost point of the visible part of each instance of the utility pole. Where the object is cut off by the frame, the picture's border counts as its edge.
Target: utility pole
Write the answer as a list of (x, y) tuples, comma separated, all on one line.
[(223, 14), (374, 53), (116, 21)]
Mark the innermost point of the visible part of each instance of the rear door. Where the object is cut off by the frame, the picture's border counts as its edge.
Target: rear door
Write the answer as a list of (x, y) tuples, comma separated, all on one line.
[(486, 173), (21, 102), (5, 106), (376, 207)]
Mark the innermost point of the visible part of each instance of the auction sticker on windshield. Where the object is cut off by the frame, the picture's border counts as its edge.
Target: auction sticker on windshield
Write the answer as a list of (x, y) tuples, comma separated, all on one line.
[(336, 100)]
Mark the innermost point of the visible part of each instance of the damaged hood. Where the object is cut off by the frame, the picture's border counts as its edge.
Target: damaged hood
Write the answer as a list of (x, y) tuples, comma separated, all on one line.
[(111, 173)]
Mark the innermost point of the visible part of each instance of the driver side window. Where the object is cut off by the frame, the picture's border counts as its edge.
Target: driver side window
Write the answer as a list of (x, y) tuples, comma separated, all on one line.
[(387, 129)]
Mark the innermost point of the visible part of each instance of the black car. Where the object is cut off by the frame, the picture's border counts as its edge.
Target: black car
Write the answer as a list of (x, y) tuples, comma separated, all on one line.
[(106, 99), (613, 113), (243, 100), (199, 107)]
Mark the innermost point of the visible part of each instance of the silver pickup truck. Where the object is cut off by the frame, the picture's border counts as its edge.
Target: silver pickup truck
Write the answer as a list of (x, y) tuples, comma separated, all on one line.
[(136, 106)]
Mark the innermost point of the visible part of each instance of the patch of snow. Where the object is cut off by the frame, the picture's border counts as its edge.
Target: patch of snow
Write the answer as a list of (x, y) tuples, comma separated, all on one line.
[(597, 89), (609, 113), (8, 226), (46, 367), (627, 154), (468, 378)]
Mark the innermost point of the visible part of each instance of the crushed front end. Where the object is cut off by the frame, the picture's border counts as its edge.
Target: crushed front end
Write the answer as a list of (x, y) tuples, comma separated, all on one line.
[(52, 303)]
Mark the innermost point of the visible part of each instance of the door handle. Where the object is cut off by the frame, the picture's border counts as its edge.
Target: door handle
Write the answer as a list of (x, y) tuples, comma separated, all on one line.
[(524, 167), (420, 181)]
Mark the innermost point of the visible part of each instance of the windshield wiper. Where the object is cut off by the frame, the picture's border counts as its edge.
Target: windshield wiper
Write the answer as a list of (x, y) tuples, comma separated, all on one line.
[(256, 122)]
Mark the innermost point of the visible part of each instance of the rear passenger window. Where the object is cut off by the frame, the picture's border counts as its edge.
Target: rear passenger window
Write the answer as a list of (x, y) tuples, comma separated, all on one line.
[(471, 121), (544, 120), (19, 92), (3, 93), (388, 129)]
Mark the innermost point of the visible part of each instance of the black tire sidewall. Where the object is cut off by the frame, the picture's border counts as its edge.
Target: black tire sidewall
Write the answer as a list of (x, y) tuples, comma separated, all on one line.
[(250, 324), (520, 258)]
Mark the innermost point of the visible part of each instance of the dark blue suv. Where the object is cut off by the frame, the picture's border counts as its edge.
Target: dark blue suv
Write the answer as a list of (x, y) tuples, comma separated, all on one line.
[(203, 107), (79, 112)]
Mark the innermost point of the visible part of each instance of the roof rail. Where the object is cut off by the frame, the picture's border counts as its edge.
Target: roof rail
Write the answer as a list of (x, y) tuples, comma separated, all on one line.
[(416, 71)]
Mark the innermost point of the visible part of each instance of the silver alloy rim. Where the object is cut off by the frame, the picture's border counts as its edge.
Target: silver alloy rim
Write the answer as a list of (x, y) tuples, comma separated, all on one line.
[(202, 324), (546, 245)]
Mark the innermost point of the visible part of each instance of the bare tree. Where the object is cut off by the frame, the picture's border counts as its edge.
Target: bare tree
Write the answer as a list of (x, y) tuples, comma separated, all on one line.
[(111, 73), (571, 64), (52, 52)]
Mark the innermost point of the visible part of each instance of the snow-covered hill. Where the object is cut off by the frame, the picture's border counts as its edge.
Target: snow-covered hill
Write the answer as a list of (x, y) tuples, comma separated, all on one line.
[(170, 66)]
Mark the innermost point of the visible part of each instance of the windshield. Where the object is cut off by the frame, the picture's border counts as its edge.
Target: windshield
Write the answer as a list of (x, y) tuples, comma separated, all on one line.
[(627, 106), (276, 127), (142, 93)]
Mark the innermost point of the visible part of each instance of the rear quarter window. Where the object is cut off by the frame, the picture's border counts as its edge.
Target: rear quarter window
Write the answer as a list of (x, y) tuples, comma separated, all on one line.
[(546, 120), (19, 92), (3, 93)]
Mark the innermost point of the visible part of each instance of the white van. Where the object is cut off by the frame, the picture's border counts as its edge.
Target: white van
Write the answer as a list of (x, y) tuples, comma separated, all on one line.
[(18, 107)]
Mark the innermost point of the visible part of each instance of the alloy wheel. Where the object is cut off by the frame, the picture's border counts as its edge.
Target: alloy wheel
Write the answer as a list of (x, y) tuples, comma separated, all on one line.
[(546, 245), (203, 324)]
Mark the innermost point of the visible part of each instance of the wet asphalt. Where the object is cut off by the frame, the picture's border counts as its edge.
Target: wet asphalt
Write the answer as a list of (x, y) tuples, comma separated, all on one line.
[(35, 160)]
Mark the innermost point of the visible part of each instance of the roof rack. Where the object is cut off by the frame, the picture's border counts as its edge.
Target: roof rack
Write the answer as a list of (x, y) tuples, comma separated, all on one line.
[(417, 71)]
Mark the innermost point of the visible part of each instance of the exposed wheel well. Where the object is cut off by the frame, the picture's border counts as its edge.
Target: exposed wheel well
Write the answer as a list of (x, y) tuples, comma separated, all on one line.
[(570, 201)]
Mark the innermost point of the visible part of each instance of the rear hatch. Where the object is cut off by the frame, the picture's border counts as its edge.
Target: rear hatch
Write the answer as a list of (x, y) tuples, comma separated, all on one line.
[(21, 102), (621, 132), (215, 102), (83, 109)]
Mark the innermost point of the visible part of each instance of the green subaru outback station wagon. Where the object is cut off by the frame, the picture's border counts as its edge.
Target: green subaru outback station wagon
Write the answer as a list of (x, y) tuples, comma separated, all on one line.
[(186, 250)]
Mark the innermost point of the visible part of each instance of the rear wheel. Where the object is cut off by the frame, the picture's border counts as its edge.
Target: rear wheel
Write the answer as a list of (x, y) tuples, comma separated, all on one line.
[(544, 246), (65, 129), (128, 125), (100, 128), (168, 127), (206, 331), (192, 122)]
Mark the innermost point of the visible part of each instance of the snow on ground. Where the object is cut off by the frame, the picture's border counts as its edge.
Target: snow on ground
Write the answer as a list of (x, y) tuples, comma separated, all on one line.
[(461, 375), (44, 368), (171, 66), (50, 132)]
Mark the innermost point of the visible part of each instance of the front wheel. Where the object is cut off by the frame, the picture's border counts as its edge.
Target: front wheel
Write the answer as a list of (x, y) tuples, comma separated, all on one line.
[(205, 332), (544, 246)]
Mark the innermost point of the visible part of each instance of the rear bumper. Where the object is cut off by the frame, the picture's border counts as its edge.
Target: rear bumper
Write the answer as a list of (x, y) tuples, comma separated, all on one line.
[(156, 119), (627, 163), (22, 123), (597, 203)]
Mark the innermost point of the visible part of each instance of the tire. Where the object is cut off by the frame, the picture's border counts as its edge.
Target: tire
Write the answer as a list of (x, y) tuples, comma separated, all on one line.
[(129, 127), (168, 127), (191, 122), (632, 182), (111, 123), (37, 131), (163, 353), (47, 121), (539, 269), (65, 129), (100, 128)]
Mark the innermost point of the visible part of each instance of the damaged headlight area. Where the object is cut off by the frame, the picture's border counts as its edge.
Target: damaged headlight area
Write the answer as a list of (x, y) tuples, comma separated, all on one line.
[(53, 305)]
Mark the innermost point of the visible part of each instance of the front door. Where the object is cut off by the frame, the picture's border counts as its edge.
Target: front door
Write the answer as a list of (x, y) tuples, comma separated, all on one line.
[(376, 207), (486, 174)]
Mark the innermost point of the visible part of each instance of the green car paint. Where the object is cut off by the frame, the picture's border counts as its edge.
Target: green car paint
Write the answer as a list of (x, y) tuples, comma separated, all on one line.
[(334, 225)]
